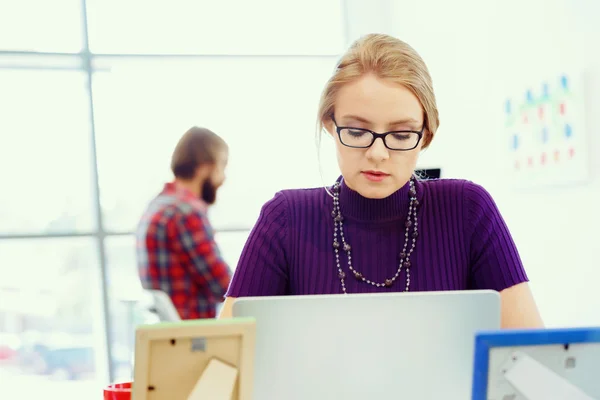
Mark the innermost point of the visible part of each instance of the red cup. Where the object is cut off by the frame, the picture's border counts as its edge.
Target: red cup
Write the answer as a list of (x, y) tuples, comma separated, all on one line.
[(118, 391)]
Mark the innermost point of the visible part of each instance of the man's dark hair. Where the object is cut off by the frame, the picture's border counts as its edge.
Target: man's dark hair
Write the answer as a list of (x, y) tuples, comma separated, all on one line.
[(198, 146)]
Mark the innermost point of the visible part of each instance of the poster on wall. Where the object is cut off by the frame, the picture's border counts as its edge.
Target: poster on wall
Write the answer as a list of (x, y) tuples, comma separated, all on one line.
[(545, 128)]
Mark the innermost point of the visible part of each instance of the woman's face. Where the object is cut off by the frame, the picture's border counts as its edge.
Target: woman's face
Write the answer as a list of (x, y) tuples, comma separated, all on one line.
[(380, 106)]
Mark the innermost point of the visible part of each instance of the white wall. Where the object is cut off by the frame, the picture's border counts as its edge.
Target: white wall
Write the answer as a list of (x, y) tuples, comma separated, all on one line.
[(362, 17), (474, 49)]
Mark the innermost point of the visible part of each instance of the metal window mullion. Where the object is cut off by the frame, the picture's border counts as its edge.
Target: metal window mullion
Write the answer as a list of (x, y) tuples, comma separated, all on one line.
[(101, 235)]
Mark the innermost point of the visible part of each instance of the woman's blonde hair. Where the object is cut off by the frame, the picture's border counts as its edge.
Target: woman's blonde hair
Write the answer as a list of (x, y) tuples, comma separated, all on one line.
[(387, 58)]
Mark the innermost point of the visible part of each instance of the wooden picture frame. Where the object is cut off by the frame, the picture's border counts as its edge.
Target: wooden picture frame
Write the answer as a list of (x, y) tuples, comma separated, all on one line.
[(196, 359)]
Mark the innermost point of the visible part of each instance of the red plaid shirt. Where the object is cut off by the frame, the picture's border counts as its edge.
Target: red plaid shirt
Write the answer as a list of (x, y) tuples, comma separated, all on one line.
[(177, 253)]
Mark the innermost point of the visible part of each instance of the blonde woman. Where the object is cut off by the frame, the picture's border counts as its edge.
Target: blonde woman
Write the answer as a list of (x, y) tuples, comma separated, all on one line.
[(378, 228)]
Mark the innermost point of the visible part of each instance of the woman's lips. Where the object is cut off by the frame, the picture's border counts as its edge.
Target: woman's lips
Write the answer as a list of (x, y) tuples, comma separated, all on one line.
[(375, 176)]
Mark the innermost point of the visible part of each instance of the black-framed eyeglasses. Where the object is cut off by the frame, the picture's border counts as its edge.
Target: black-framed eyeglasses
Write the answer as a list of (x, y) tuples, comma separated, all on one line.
[(360, 138)]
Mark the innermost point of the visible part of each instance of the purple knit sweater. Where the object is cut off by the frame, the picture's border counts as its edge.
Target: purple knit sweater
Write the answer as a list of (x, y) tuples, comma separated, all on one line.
[(463, 242)]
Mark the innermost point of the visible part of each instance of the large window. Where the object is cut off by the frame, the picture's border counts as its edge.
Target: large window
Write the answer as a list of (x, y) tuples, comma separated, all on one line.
[(91, 111)]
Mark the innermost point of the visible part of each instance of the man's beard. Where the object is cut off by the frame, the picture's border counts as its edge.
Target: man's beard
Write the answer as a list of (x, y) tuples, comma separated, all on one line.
[(208, 192)]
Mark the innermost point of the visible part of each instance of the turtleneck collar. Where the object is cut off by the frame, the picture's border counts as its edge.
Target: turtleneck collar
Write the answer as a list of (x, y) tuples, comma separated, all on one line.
[(395, 206)]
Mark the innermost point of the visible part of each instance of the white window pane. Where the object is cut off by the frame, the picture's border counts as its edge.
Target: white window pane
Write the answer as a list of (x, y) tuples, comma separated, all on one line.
[(265, 108), (215, 27), (231, 245), (45, 152), (124, 294), (51, 332), (41, 25)]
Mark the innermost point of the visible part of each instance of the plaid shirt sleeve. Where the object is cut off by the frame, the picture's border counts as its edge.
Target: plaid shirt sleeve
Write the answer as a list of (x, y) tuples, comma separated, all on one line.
[(207, 266)]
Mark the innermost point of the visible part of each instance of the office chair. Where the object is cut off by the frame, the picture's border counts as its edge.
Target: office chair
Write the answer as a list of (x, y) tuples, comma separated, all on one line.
[(162, 306)]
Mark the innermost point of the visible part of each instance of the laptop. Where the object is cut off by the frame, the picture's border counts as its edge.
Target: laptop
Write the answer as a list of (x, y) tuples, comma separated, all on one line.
[(413, 346)]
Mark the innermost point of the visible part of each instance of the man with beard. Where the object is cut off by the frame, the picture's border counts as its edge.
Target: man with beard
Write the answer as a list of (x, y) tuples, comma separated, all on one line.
[(176, 249)]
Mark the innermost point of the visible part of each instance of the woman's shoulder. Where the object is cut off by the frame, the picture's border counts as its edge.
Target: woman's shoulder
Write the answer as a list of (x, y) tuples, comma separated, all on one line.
[(452, 189), (304, 198), (462, 198)]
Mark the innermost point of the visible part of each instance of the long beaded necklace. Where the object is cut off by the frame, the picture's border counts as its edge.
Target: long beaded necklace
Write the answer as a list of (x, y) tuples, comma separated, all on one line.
[(409, 237)]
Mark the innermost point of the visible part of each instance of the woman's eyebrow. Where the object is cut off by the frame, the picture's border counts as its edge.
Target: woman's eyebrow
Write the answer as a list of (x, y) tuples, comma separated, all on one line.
[(408, 120)]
